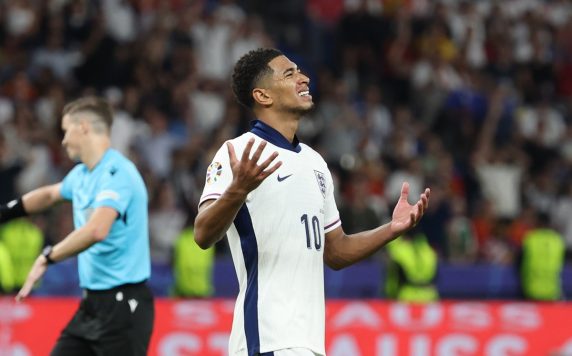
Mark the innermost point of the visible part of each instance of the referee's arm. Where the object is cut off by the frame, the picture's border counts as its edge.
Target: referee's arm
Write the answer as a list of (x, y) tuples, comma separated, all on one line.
[(42, 198), (95, 230), (33, 202)]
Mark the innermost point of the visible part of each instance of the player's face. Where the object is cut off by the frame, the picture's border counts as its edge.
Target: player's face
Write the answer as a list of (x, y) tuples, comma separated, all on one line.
[(73, 136), (290, 87)]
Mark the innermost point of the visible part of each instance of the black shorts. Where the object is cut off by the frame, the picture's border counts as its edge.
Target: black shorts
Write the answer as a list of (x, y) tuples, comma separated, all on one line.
[(117, 321)]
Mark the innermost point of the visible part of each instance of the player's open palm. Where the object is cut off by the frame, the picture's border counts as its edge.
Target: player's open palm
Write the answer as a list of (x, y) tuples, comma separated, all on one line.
[(405, 215), (247, 172)]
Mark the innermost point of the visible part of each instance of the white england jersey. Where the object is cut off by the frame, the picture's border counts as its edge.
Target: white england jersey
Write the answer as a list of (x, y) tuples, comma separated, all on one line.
[(277, 244)]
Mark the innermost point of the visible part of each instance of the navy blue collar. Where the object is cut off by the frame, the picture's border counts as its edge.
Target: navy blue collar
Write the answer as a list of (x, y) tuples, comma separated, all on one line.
[(266, 132)]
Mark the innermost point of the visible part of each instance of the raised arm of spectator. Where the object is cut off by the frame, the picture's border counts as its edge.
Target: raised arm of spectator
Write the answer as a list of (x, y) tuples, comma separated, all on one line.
[(490, 125)]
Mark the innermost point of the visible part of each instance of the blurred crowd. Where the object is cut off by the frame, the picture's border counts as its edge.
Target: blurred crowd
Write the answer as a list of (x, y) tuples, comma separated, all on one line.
[(471, 98)]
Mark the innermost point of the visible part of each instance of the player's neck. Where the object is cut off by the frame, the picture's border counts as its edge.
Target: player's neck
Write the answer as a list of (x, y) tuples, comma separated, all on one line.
[(97, 148), (287, 125)]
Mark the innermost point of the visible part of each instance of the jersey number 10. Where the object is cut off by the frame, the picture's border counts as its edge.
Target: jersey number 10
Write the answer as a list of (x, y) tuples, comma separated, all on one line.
[(317, 232)]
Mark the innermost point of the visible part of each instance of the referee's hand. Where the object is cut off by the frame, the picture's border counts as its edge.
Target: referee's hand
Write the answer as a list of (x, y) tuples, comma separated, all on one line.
[(37, 271)]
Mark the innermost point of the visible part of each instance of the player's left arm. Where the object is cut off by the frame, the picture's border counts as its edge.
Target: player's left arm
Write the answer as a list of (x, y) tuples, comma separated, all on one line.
[(343, 250)]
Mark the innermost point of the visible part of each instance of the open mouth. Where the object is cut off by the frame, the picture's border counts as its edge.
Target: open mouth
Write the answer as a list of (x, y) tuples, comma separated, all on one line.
[(304, 93)]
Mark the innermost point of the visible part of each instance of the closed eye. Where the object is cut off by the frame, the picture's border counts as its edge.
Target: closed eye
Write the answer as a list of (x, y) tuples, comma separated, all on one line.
[(290, 71)]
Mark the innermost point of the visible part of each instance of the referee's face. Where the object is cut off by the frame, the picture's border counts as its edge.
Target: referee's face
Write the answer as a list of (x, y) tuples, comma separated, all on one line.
[(73, 136)]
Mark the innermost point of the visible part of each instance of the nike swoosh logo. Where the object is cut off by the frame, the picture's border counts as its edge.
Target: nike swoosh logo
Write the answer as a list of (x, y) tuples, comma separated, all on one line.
[(280, 179)]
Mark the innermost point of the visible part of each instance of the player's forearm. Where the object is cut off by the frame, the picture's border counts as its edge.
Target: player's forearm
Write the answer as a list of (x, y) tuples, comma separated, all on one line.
[(344, 250), (42, 198), (215, 217)]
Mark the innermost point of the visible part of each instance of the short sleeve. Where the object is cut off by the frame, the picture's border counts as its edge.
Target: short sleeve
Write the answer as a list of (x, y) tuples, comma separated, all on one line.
[(69, 182), (114, 191), (331, 213), (218, 177)]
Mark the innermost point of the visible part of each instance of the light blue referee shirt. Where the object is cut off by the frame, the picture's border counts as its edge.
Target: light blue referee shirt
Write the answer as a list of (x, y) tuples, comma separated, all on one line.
[(123, 257)]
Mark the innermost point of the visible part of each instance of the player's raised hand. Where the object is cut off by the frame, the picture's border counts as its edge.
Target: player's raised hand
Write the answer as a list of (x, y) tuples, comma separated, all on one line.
[(247, 172), (38, 269), (405, 215)]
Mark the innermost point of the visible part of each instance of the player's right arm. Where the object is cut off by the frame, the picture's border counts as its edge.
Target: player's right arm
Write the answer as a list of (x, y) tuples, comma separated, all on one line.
[(215, 216), (32, 202)]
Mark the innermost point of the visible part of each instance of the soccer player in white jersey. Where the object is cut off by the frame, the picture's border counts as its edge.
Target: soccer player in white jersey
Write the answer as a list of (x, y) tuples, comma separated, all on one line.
[(280, 215)]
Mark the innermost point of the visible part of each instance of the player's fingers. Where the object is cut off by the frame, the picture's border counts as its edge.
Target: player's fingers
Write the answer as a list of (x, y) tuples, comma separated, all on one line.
[(246, 152), (404, 190), (258, 152), (420, 209), (427, 194), (271, 170), (269, 160), (424, 201), (231, 152), (413, 219)]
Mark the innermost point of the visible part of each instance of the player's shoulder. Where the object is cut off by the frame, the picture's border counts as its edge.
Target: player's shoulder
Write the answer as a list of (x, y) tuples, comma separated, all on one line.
[(242, 140), (239, 142), (312, 154)]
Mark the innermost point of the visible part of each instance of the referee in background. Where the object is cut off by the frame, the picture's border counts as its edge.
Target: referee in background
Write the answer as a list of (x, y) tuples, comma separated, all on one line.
[(109, 200)]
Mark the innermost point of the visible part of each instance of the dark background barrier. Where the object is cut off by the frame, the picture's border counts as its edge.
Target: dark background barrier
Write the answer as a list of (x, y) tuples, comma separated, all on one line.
[(364, 280)]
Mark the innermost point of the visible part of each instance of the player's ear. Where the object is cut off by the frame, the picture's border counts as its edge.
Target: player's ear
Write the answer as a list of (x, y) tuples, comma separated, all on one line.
[(262, 96)]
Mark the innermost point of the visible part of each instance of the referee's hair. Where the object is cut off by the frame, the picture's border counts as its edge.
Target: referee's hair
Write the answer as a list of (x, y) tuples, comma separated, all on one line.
[(249, 70), (101, 113)]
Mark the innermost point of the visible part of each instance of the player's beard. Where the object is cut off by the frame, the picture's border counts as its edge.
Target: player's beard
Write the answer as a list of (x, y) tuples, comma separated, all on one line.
[(301, 111)]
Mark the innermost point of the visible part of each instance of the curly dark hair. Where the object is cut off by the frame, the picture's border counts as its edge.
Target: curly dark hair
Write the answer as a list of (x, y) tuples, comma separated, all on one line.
[(248, 71)]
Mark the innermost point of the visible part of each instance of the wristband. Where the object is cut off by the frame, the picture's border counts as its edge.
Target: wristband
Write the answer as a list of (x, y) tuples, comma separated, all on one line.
[(12, 210), (46, 253)]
